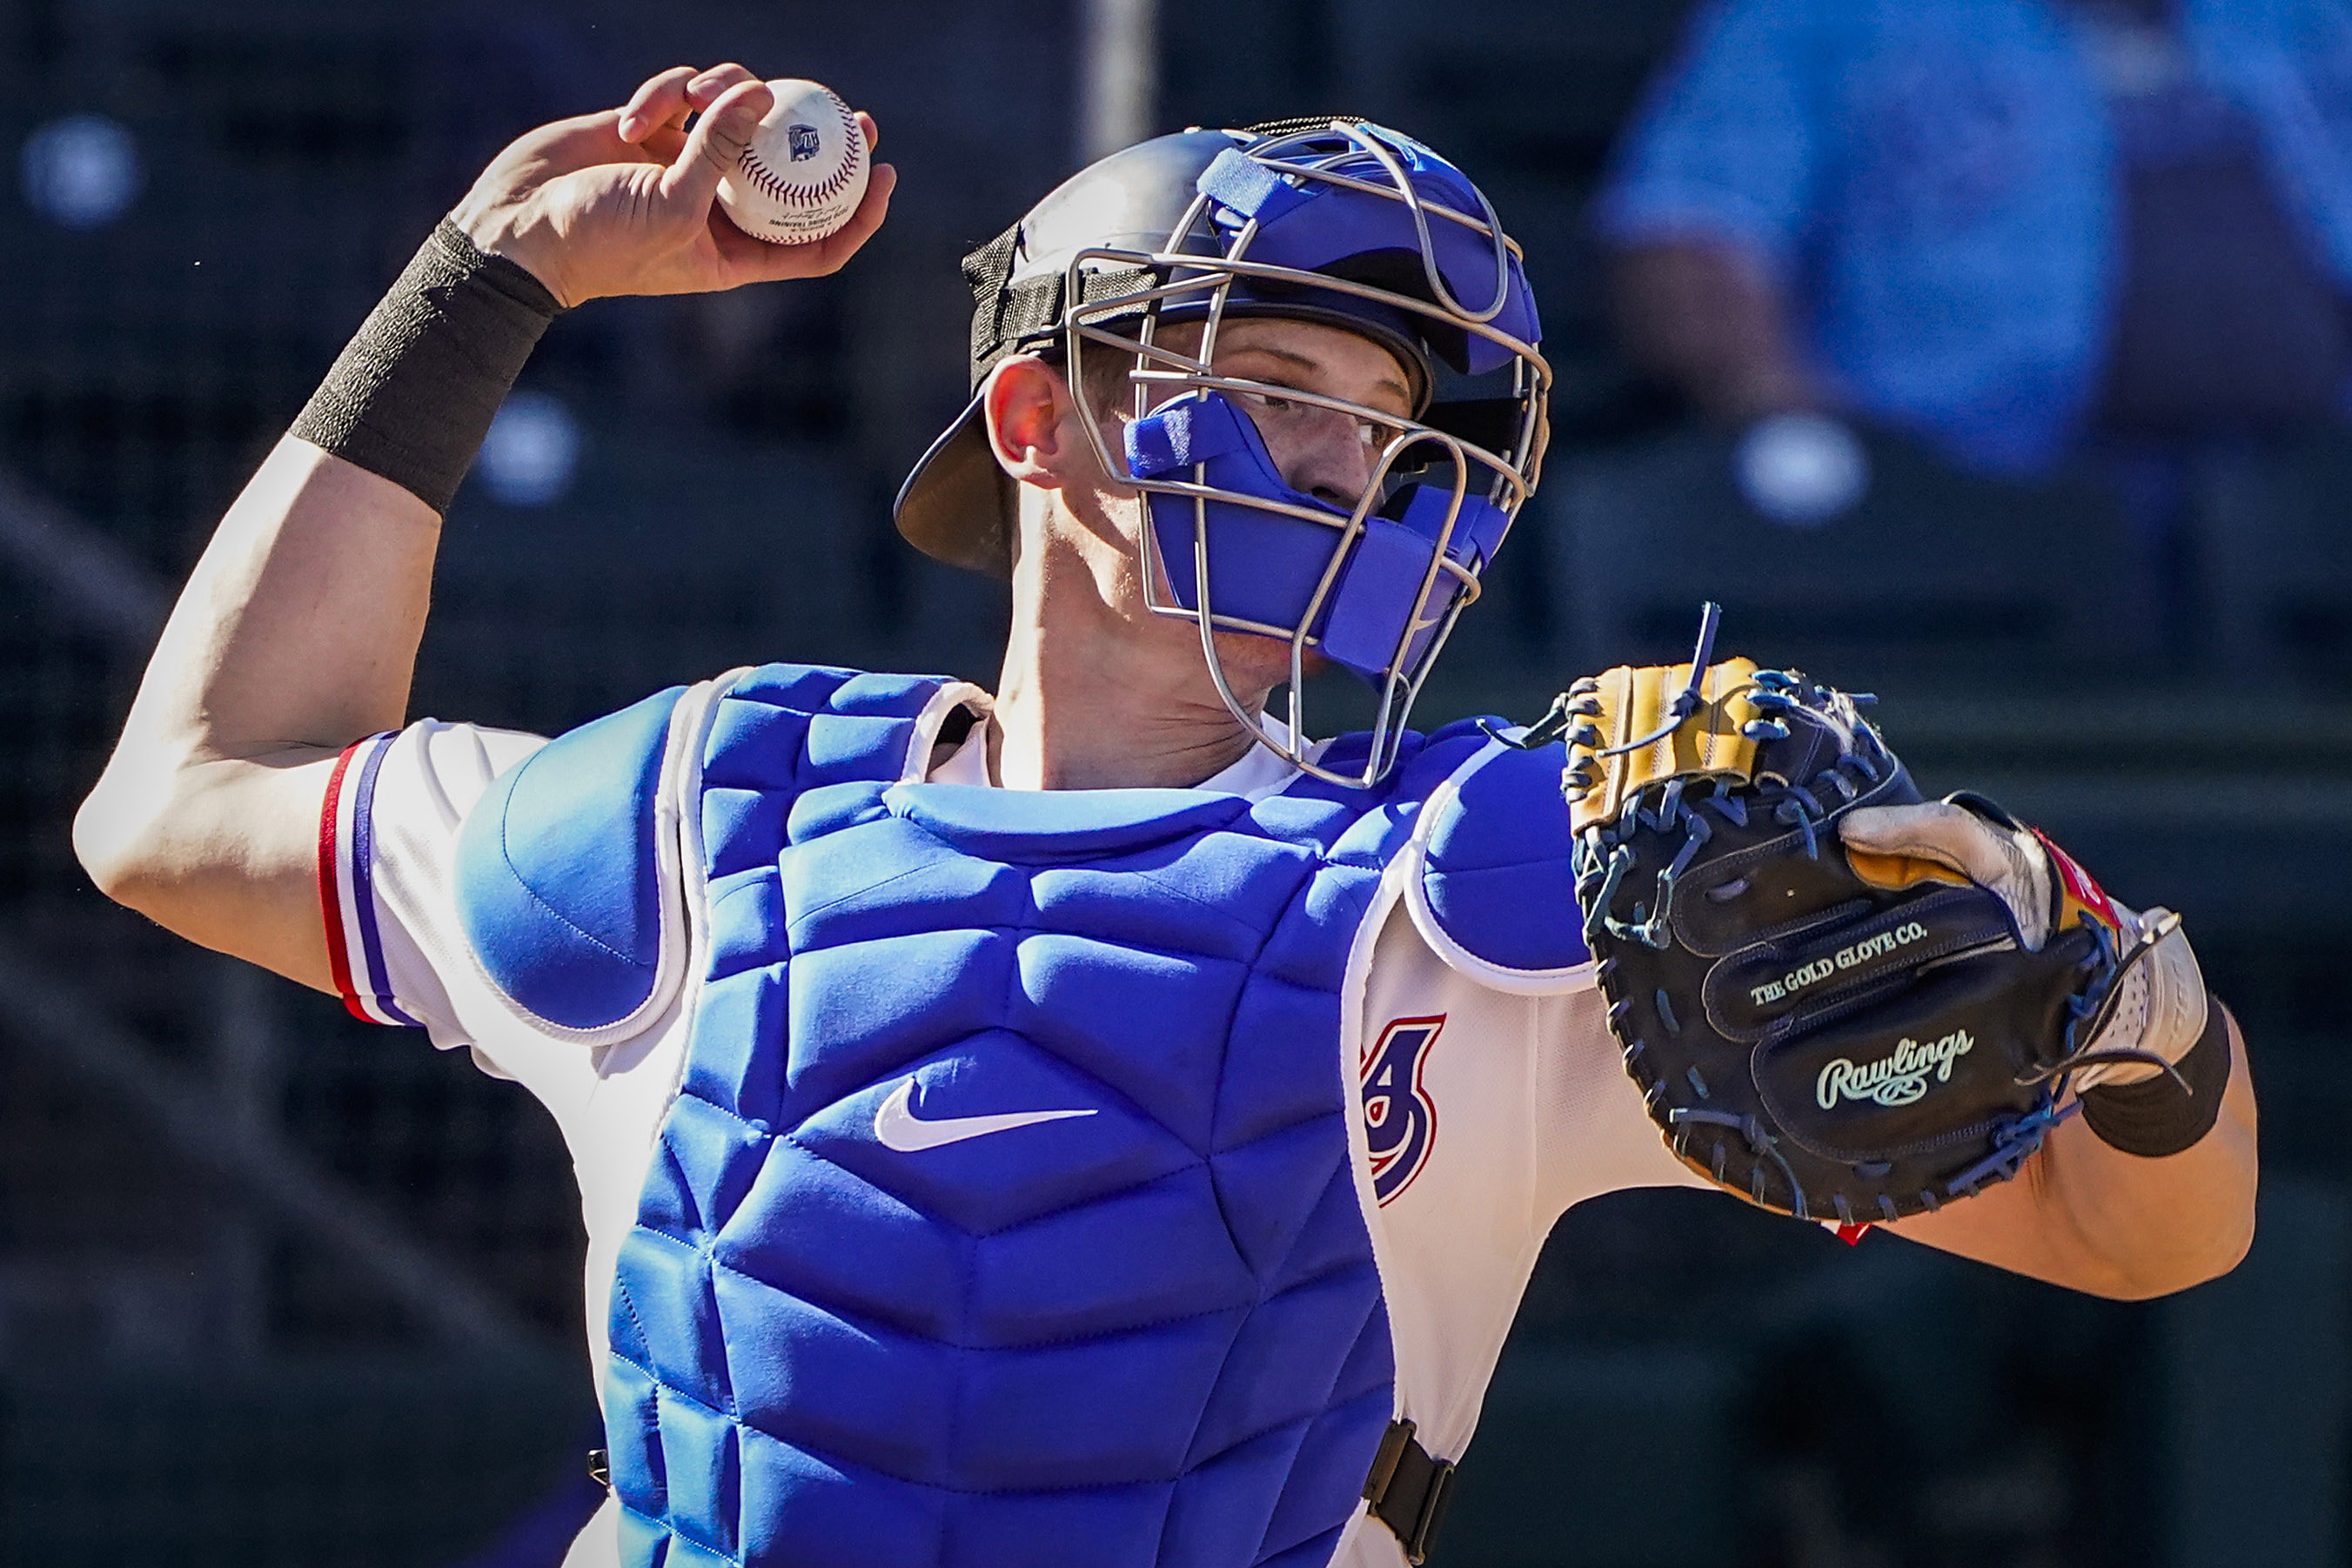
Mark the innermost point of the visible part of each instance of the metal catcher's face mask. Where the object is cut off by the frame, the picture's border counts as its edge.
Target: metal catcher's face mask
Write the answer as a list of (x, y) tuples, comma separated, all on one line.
[(1340, 222)]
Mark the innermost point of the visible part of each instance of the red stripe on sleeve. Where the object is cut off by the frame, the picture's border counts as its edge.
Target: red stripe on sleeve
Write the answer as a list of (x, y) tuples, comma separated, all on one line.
[(331, 901)]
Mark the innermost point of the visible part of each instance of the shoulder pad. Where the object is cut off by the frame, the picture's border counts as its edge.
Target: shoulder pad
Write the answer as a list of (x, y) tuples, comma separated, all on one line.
[(1495, 883), (798, 727), (566, 885)]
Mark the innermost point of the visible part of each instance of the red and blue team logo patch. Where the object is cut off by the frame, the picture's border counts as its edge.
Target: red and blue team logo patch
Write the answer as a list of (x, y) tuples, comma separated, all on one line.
[(2078, 889), (1400, 1119)]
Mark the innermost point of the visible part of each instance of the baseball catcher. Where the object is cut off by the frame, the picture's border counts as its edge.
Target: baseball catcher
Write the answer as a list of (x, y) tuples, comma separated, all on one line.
[(1101, 1120)]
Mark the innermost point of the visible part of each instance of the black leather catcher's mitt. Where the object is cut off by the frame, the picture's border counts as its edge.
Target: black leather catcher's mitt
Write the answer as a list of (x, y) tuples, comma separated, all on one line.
[(1838, 1034)]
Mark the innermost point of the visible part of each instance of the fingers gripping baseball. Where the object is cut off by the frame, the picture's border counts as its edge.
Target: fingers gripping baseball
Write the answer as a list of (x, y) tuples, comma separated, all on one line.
[(660, 102), (663, 104), (707, 176), (691, 182), (623, 202)]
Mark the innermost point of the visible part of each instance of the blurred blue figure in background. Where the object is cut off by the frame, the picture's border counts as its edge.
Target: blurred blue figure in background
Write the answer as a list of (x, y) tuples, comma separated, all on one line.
[(2021, 229)]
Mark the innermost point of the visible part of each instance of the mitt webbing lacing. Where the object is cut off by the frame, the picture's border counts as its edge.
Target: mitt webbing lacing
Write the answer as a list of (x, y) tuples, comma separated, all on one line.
[(2089, 1013), (1604, 852), (1565, 714)]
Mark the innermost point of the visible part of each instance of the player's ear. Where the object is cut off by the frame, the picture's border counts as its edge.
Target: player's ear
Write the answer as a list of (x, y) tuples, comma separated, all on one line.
[(1032, 422)]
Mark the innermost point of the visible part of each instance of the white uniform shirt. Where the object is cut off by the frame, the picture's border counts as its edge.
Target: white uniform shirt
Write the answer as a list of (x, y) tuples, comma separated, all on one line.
[(1529, 1110)]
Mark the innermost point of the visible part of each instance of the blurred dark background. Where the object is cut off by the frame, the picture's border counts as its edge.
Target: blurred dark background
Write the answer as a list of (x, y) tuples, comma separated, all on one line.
[(278, 1288)]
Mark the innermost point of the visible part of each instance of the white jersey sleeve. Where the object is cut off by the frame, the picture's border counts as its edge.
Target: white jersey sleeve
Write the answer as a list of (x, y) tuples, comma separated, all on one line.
[(387, 879), (387, 839)]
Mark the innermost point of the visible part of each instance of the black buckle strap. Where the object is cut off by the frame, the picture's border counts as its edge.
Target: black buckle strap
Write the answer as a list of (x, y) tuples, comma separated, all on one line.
[(1408, 1489), (1005, 313), (600, 1467)]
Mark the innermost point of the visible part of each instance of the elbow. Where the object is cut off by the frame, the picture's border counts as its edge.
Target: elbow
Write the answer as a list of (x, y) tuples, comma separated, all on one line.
[(107, 852), (2218, 1256), (2217, 1247), (118, 837), (2228, 1248), (206, 850)]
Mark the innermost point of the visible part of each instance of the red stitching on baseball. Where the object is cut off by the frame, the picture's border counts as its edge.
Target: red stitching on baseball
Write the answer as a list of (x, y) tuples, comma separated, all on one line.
[(764, 175)]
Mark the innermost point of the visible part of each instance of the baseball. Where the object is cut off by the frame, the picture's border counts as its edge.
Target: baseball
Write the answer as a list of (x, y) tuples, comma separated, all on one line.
[(803, 171)]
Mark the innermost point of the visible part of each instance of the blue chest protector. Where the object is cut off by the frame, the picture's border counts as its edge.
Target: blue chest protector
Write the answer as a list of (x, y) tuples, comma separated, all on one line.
[(1005, 1213)]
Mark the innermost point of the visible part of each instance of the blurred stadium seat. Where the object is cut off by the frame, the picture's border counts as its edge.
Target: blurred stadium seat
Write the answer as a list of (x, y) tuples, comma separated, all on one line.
[(1933, 576), (2276, 546)]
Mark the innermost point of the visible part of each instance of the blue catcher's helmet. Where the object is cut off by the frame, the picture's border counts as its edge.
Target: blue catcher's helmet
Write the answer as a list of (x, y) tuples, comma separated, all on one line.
[(1335, 221)]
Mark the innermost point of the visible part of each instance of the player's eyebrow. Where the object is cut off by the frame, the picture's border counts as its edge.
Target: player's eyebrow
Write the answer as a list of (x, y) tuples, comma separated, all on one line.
[(1309, 363)]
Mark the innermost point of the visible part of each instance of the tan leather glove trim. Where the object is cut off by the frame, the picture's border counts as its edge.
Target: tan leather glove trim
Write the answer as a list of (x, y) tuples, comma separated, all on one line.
[(1635, 699)]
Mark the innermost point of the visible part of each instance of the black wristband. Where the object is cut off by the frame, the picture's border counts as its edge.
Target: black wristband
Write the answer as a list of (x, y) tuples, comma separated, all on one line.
[(413, 395), (2152, 1117)]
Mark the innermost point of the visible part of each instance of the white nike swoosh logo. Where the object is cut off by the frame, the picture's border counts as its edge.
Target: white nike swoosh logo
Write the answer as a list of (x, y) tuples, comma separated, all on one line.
[(898, 1126)]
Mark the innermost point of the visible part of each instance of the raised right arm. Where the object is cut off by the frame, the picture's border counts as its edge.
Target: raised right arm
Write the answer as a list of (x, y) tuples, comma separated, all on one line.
[(297, 634)]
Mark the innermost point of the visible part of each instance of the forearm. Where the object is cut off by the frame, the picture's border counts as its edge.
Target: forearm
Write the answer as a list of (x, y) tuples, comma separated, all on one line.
[(299, 627), (297, 632), (300, 624), (2093, 1218)]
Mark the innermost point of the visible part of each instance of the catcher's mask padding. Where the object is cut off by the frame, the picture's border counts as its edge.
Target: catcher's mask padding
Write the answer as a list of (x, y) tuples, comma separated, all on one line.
[(1265, 567)]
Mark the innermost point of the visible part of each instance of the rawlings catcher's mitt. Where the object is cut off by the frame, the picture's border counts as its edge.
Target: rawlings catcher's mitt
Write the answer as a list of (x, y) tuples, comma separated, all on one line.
[(1838, 1034)]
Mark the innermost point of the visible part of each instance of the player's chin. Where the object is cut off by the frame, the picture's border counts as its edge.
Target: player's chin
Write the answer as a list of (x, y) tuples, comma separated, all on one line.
[(1255, 665)]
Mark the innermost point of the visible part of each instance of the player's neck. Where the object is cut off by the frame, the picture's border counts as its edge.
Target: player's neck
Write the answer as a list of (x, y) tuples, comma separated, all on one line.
[(1095, 698)]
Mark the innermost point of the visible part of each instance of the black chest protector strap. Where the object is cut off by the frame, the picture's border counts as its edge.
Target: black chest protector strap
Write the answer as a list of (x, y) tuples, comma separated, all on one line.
[(1408, 1489)]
